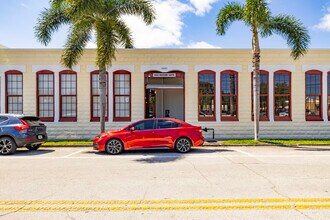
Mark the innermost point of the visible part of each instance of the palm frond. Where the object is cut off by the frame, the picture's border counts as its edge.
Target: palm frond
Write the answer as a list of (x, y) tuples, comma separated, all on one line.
[(141, 8), (79, 36), (124, 34), (229, 13), (256, 11), (292, 30), (49, 21)]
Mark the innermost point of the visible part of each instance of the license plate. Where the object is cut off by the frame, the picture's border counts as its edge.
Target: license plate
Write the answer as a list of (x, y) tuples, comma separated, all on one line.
[(40, 137)]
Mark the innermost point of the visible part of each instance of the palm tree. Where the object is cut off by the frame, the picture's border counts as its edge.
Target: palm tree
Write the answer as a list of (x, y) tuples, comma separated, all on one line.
[(103, 18), (256, 14)]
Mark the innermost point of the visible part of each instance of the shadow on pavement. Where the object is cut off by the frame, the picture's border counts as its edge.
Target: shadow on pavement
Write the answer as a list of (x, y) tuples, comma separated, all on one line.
[(23, 152), (312, 149)]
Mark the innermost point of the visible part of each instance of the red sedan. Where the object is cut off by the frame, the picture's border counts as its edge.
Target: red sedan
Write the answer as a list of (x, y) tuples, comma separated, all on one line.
[(151, 133)]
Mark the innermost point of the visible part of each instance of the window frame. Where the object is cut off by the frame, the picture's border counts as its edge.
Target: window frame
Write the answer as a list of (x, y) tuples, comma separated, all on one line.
[(45, 72), (13, 72), (92, 118), (314, 118), (207, 95), (285, 118), (229, 118), (122, 119), (68, 119), (261, 118)]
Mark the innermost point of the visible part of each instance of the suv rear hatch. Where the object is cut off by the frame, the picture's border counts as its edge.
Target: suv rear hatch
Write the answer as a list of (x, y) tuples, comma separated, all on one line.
[(35, 126)]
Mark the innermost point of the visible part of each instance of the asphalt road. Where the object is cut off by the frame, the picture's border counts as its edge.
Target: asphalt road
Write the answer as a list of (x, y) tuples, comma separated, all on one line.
[(207, 183)]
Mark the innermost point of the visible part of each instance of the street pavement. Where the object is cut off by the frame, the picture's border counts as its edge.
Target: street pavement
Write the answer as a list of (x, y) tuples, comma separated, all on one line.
[(263, 182)]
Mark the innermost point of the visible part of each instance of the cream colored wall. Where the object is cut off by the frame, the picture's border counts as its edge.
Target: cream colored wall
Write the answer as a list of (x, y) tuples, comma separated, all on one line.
[(189, 61)]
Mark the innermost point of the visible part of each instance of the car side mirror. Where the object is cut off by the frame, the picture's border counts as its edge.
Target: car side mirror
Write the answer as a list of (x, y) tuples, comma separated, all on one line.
[(132, 129)]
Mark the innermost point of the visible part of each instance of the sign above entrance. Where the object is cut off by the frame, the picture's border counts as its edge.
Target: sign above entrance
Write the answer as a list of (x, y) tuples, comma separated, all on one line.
[(164, 75)]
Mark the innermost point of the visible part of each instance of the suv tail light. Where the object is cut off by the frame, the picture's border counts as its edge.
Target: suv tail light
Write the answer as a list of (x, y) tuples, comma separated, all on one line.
[(22, 127)]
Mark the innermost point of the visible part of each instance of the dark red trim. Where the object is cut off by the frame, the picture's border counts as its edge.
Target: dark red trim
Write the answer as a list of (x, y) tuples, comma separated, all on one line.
[(46, 72), (200, 95), (117, 119), (179, 74), (261, 118), (314, 118), (229, 118), (285, 118), (12, 72), (67, 119), (92, 118)]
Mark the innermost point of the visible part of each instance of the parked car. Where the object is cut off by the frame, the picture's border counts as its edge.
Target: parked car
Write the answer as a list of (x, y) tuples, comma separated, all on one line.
[(20, 131), (151, 133)]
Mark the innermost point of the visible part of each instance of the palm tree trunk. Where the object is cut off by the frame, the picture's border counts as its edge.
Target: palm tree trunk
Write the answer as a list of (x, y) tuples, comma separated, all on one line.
[(102, 88), (256, 84)]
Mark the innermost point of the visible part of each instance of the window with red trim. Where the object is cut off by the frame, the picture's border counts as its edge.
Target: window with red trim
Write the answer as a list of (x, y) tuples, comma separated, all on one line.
[(264, 96), (206, 95), (68, 95), (329, 96), (229, 96), (14, 92), (122, 96), (45, 95), (313, 95), (95, 97), (282, 95)]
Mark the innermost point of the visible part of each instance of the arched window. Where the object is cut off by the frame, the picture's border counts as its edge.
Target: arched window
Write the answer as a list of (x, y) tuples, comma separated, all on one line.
[(313, 95), (206, 95), (14, 92), (122, 96), (229, 95), (45, 95), (68, 95), (282, 95)]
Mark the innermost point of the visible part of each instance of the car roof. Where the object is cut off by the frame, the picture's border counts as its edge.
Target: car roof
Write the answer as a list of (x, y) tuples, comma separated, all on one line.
[(18, 115)]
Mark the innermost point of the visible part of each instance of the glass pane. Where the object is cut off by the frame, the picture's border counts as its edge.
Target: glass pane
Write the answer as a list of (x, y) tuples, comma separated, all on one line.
[(282, 83), (312, 105), (206, 106), (68, 84), (228, 83), (206, 83), (14, 84), (228, 106), (144, 125), (313, 84), (122, 106), (69, 106), (282, 106), (161, 124)]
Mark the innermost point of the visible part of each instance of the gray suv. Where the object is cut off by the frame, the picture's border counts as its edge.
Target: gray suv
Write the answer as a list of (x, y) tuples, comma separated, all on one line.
[(20, 131)]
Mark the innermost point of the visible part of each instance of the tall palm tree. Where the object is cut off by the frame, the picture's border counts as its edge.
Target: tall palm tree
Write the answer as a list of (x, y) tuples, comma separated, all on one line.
[(256, 15), (102, 18)]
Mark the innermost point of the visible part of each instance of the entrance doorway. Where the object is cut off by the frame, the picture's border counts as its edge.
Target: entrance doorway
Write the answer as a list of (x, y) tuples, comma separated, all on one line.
[(164, 95)]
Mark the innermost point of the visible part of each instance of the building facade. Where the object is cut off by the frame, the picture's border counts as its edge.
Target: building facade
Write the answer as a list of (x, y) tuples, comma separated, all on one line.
[(206, 87)]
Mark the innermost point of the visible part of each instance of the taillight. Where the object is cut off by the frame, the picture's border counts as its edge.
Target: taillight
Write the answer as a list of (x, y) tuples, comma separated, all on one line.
[(22, 127)]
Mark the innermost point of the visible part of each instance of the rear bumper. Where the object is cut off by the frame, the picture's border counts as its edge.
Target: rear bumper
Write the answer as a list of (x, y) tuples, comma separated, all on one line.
[(31, 140)]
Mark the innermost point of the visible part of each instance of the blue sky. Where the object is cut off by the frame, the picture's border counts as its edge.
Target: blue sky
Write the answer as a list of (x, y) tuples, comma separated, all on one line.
[(179, 24)]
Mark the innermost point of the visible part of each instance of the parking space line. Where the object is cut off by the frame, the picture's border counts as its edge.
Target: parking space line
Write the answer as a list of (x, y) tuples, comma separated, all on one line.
[(243, 152), (74, 153)]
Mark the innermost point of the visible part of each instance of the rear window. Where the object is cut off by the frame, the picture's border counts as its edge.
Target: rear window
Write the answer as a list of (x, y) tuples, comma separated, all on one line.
[(32, 121)]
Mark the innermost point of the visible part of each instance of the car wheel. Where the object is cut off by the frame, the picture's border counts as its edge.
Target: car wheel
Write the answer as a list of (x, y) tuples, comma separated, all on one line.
[(7, 146), (114, 146), (183, 145), (33, 147)]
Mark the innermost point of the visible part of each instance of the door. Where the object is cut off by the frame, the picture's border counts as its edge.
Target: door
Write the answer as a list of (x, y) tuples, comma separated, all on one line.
[(166, 132), (142, 134), (150, 103)]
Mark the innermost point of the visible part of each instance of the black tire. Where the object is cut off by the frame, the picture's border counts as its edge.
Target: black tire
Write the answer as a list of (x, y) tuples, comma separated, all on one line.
[(33, 147), (114, 146), (183, 145), (7, 146)]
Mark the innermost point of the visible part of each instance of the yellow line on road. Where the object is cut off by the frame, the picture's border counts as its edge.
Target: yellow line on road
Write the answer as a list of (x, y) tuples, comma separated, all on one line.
[(161, 208), (138, 202)]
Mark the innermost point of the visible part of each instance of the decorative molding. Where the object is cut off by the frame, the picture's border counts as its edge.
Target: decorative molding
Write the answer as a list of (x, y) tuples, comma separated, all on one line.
[(113, 68), (322, 68), (273, 68), (53, 68), (4, 68), (164, 68)]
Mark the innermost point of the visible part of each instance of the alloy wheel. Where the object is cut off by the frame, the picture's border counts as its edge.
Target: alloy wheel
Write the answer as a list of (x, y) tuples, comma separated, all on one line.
[(114, 146), (183, 145), (6, 146)]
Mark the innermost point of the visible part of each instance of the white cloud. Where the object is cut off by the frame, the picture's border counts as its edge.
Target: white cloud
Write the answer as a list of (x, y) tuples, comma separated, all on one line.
[(201, 44), (202, 6), (90, 45), (325, 22), (166, 29)]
